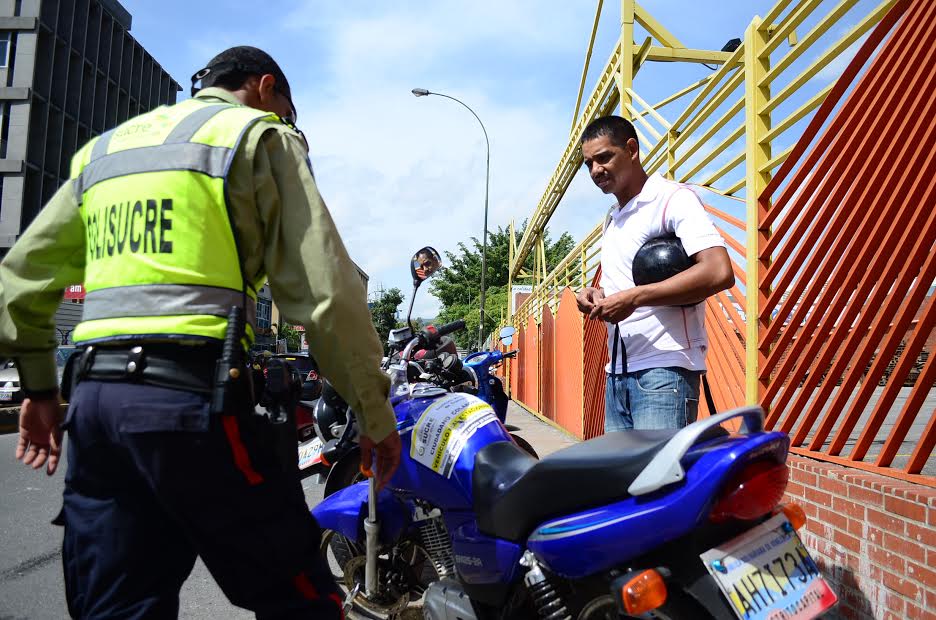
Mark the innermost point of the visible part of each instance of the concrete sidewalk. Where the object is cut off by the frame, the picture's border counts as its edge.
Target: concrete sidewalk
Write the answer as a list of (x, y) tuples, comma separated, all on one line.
[(544, 437)]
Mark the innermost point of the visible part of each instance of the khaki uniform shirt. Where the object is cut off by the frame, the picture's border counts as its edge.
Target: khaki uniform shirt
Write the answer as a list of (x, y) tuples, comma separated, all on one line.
[(284, 229)]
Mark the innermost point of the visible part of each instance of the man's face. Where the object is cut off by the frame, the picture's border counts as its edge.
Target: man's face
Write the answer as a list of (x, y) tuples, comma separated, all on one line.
[(609, 165)]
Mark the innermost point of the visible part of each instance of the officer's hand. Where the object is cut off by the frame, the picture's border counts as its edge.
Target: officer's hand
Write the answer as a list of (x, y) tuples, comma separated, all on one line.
[(388, 456), (40, 437)]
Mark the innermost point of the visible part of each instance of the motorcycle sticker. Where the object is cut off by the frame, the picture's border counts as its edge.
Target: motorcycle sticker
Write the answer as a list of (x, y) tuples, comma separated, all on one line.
[(444, 429)]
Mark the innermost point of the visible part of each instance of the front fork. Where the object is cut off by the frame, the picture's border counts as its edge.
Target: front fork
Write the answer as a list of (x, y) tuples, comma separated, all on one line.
[(371, 529)]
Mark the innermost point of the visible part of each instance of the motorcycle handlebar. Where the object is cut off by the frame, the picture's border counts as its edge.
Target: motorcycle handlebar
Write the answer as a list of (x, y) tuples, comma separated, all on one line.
[(436, 333), (512, 353)]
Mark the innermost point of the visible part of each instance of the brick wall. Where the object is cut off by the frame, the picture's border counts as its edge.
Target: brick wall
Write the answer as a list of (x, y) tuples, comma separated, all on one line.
[(873, 537)]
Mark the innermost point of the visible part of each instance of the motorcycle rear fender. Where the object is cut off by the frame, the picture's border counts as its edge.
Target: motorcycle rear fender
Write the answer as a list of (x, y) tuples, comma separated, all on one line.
[(601, 538), (345, 511)]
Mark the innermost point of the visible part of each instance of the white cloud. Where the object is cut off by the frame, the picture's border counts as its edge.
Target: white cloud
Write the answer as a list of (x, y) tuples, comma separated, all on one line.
[(399, 172)]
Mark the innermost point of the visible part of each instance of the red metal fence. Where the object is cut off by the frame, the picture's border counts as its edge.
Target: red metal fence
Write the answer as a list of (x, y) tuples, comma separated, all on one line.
[(840, 251)]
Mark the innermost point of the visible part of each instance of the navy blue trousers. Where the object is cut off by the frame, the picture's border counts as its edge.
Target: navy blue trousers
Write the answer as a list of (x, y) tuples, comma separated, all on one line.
[(154, 480)]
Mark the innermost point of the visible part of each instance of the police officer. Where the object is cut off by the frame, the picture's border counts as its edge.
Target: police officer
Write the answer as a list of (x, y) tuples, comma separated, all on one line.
[(169, 220)]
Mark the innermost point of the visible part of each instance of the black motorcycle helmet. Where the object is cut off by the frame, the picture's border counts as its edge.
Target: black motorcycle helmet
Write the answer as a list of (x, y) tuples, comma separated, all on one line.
[(659, 259), (330, 410)]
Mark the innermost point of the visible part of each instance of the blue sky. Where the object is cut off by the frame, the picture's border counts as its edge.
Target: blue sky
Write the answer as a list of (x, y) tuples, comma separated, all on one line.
[(399, 172)]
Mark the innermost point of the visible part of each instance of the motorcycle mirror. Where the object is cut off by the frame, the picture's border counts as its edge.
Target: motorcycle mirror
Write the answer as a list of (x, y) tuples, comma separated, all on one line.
[(507, 341), (424, 263), (507, 332)]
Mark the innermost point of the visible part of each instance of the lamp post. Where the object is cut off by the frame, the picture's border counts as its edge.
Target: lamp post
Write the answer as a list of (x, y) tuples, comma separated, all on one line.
[(422, 92)]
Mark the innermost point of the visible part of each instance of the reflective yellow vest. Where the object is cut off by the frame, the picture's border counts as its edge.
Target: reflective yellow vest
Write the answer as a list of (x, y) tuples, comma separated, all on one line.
[(161, 258)]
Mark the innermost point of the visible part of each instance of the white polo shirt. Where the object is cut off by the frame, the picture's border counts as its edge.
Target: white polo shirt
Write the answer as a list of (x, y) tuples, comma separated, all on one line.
[(658, 336)]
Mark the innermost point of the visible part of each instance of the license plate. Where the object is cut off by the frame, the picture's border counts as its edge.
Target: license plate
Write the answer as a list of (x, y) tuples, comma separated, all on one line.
[(6, 395), (310, 453), (767, 574)]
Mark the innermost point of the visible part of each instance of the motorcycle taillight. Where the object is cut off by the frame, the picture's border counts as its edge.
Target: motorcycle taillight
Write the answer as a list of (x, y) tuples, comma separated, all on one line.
[(752, 493)]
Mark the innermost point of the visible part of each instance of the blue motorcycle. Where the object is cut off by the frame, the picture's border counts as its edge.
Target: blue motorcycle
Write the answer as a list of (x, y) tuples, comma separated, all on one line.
[(334, 451), (664, 524)]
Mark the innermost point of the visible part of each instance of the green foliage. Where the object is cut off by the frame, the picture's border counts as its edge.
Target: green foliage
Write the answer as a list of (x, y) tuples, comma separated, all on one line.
[(384, 313), (457, 286), (293, 337)]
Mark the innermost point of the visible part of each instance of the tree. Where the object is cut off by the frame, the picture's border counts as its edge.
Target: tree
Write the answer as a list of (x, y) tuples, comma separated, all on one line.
[(384, 313), (457, 286), (292, 336)]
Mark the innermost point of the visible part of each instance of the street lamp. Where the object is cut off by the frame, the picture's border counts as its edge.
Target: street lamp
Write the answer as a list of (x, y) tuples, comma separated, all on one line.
[(422, 92)]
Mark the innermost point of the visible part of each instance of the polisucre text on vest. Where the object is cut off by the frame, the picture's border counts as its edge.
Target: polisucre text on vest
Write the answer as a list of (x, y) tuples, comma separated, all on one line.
[(137, 227)]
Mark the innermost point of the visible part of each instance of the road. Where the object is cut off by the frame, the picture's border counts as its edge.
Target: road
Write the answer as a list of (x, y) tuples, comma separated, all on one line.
[(31, 585)]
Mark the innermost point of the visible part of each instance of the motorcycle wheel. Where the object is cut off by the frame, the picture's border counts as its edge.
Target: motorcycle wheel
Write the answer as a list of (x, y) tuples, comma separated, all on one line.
[(525, 445), (346, 561)]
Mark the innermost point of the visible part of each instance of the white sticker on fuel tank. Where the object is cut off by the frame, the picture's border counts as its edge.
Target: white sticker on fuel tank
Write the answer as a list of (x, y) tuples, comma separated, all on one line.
[(444, 429)]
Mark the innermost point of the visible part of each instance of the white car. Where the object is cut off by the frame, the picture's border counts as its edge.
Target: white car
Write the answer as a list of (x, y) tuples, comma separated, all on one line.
[(10, 391)]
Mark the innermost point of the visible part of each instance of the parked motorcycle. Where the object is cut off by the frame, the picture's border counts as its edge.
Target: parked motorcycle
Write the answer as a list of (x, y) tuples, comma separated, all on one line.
[(334, 449), (666, 524), (490, 388)]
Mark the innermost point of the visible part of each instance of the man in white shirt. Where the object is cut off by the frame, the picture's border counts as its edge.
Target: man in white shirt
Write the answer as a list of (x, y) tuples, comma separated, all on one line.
[(656, 336)]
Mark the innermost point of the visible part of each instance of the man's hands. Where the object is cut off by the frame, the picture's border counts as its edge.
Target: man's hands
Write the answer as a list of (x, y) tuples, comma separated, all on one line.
[(615, 308), (40, 437), (587, 298), (388, 456)]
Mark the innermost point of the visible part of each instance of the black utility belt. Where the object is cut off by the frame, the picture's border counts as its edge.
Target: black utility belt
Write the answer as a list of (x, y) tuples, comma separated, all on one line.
[(189, 368)]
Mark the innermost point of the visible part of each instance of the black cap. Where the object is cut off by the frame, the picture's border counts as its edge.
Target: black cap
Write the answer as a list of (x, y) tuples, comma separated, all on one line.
[(234, 65)]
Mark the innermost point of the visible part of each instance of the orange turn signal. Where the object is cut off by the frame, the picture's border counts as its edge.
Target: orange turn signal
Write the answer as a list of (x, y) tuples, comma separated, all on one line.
[(795, 514), (644, 592)]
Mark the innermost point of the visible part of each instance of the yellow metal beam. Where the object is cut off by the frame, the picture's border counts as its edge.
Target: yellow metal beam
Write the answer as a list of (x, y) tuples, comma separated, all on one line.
[(677, 54), (634, 114), (588, 55), (775, 12), (511, 250), (713, 104), (787, 27), (828, 22), (729, 191), (649, 109), (826, 57), (713, 83), (655, 28), (731, 165), (775, 161), (680, 93), (719, 149), (710, 133), (640, 55), (603, 100), (814, 102), (757, 124), (626, 65)]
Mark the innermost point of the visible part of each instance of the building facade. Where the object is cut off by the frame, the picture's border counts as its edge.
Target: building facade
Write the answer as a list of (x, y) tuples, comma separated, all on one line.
[(69, 70)]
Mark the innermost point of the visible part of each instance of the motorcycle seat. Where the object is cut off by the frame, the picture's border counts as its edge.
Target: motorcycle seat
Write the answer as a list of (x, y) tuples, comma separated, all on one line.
[(513, 492)]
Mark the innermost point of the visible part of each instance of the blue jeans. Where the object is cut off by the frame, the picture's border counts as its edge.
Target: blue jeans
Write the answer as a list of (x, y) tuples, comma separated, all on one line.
[(651, 399)]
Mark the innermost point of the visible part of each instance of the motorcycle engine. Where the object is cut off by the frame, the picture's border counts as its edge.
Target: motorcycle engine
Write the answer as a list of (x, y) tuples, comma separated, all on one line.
[(446, 600)]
